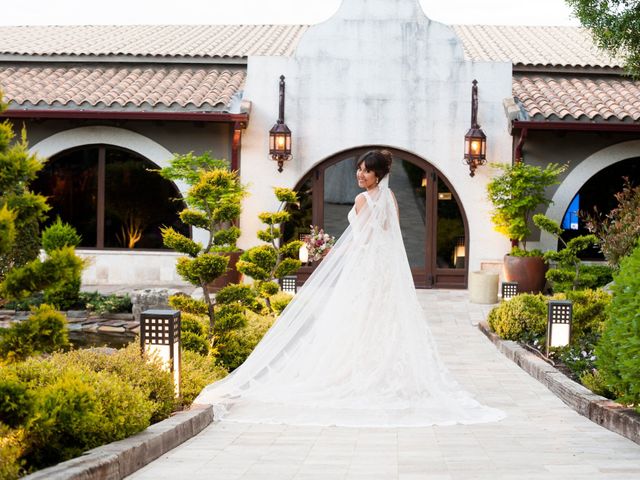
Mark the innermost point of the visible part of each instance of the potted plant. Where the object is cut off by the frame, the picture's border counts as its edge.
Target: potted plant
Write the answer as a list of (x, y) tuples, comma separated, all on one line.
[(515, 194)]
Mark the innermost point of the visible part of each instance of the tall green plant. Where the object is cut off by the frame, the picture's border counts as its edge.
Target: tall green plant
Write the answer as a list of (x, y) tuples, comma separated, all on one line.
[(18, 168), (618, 351), (274, 260), (516, 193), (567, 274), (213, 204)]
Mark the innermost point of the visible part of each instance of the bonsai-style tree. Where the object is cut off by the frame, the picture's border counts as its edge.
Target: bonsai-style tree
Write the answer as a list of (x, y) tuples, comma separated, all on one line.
[(272, 261), (516, 194), (213, 204), (20, 208), (567, 275)]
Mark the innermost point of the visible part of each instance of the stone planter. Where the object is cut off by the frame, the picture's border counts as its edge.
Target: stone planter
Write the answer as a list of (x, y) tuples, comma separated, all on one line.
[(527, 271)]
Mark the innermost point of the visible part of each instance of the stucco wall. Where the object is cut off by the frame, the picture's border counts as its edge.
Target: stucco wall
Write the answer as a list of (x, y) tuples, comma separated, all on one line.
[(378, 72)]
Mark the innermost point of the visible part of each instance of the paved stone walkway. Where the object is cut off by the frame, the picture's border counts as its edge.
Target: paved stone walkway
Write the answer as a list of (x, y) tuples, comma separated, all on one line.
[(540, 439)]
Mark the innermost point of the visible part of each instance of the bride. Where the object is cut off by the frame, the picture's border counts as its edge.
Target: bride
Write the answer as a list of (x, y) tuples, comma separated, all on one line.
[(353, 348)]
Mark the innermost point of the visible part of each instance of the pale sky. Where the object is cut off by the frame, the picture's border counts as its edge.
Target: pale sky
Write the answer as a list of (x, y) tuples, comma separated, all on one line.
[(122, 12)]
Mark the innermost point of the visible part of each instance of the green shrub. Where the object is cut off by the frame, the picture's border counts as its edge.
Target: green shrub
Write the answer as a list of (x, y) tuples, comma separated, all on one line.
[(198, 371), (80, 410), (187, 304), (147, 375), (602, 275), (589, 312), (59, 235), (594, 381), (522, 318), (11, 451), (236, 346), (64, 295), (193, 323), (7, 229), (99, 303), (195, 343), (280, 301), (16, 402), (45, 331), (26, 247), (618, 351)]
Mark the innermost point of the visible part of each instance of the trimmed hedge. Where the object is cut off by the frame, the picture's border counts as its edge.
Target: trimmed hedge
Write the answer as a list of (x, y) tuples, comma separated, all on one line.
[(521, 318)]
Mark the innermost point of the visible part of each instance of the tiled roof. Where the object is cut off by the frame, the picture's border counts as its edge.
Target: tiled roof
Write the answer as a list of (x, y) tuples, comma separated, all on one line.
[(203, 41), (522, 45), (146, 87), (533, 46), (554, 97)]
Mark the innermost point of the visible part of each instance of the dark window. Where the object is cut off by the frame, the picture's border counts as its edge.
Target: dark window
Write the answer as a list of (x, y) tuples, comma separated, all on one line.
[(111, 197)]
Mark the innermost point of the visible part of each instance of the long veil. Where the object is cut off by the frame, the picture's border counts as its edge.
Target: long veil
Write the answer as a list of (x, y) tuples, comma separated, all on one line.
[(353, 347)]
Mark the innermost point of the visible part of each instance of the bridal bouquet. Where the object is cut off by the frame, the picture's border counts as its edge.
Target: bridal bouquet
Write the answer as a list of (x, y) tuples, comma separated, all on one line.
[(318, 243)]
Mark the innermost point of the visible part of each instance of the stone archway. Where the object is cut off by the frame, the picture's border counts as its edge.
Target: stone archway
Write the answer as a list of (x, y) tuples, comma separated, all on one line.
[(433, 222), (118, 137), (586, 169)]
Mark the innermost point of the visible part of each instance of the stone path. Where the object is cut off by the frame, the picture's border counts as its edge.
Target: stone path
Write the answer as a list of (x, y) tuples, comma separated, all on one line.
[(540, 439)]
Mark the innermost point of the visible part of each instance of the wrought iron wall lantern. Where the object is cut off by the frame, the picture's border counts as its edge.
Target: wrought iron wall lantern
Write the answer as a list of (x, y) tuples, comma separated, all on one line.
[(475, 141), (280, 135)]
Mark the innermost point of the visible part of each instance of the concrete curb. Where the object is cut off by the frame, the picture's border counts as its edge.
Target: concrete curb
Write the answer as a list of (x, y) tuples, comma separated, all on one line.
[(611, 415), (116, 460)]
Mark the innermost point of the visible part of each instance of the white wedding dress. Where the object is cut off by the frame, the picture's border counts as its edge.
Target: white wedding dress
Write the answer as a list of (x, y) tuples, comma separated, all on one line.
[(353, 348)]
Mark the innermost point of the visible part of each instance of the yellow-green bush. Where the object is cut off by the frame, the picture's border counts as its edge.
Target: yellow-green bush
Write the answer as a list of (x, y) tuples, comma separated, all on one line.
[(198, 371), (45, 331), (11, 451), (521, 318), (145, 374), (280, 301), (236, 346)]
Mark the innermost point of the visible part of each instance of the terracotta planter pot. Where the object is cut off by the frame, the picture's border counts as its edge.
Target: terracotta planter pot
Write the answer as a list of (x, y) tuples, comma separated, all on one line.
[(232, 275), (527, 271)]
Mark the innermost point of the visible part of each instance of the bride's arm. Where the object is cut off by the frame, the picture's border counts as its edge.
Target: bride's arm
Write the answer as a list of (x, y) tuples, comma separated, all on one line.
[(360, 202)]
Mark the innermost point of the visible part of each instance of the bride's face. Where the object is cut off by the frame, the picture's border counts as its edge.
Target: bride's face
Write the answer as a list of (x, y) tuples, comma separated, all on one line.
[(366, 178)]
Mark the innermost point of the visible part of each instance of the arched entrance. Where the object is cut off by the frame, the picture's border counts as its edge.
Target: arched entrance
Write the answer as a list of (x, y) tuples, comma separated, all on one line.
[(598, 194), (434, 226)]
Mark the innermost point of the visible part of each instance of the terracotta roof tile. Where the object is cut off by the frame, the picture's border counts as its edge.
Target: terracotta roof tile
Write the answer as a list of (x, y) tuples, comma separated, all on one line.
[(144, 86), (554, 97), (203, 41), (533, 46)]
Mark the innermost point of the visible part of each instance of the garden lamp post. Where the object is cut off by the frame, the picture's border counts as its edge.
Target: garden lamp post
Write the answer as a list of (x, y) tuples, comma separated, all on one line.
[(289, 284), (559, 317), (160, 335), (509, 290)]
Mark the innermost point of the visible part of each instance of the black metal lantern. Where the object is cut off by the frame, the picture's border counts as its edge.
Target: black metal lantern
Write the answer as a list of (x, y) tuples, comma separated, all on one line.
[(509, 290), (289, 284), (559, 315), (280, 135), (160, 335), (475, 141)]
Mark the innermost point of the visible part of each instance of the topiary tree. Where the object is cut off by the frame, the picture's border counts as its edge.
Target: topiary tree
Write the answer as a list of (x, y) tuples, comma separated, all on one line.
[(267, 263), (516, 193), (618, 351), (568, 273), (18, 167), (214, 205)]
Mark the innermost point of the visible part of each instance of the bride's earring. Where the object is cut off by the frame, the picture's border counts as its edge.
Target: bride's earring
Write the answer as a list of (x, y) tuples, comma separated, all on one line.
[(377, 180)]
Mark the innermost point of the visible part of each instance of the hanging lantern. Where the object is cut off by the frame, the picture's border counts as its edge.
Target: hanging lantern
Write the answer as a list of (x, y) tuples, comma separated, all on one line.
[(475, 141), (280, 135)]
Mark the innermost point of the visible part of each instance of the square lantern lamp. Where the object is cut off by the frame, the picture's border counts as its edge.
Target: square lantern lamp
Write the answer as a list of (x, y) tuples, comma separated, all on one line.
[(559, 317), (160, 335), (280, 134), (289, 284), (475, 141), (509, 290)]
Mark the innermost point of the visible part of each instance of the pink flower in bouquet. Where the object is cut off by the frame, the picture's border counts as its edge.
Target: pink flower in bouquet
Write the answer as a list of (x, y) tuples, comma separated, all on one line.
[(318, 243)]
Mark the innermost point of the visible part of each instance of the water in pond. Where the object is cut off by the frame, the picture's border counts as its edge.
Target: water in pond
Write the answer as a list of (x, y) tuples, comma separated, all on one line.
[(81, 339)]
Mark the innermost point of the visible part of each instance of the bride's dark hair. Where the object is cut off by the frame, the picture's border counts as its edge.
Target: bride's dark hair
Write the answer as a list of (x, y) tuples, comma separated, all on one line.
[(378, 161)]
